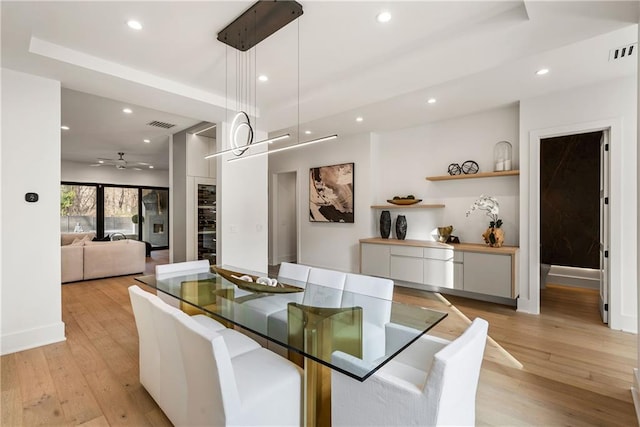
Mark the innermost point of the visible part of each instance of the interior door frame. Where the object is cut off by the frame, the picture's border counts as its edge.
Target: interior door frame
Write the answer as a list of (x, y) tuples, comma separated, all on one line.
[(274, 212), (604, 238), (614, 128)]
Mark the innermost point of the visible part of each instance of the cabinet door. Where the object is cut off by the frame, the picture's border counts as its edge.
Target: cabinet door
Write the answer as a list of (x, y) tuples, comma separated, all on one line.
[(438, 273), (408, 269), (374, 259), (458, 275), (487, 274)]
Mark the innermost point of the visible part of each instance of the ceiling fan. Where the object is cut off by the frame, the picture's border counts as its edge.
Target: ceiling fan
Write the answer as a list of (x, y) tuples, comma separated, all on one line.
[(120, 163)]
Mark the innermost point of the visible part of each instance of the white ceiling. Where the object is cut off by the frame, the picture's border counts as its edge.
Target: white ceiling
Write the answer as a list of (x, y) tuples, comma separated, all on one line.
[(471, 56)]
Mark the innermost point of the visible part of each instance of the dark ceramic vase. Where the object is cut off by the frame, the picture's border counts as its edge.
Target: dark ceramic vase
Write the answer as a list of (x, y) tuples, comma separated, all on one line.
[(401, 227), (385, 224)]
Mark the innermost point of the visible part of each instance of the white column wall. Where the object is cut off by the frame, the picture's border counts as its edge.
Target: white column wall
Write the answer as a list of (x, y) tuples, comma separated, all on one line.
[(30, 276), (331, 245), (612, 102), (242, 205)]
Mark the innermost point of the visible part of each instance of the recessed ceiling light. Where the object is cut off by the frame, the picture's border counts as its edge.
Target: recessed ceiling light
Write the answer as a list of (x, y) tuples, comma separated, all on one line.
[(150, 166), (101, 161), (383, 17), (307, 132), (359, 119), (127, 110), (431, 101), (147, 141), (263, 78), (64, 127), (134, 25), (542, 71)]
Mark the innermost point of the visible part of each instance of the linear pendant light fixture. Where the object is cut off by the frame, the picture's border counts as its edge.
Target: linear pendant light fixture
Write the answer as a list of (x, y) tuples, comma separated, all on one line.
[(255, 24), (288, 147), (246, 146), (261, 20)]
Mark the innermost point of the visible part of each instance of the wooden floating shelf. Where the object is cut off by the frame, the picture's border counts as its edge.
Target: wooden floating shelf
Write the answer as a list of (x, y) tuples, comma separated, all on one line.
[(474, 175), (416, 206)]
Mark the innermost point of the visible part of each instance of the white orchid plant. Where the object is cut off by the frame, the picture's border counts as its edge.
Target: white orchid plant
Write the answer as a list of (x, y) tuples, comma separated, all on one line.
[(489, 204)]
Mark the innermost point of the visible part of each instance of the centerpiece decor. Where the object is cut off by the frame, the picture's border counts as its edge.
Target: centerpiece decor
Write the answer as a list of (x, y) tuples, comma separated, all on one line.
[(494, 235)]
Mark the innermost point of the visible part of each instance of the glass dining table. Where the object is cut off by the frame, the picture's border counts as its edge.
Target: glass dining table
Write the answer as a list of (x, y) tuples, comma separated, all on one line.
[(317, 326)]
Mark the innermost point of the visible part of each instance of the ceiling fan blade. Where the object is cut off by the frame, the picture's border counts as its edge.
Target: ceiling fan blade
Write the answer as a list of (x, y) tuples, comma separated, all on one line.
[(96, 164), (143, 163), (136, 169)]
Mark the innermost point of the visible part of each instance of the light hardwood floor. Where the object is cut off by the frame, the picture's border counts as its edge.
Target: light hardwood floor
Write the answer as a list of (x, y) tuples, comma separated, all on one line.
[(575, 371)]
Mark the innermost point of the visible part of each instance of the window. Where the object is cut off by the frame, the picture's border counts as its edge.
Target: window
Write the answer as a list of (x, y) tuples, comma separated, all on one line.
[(78, 208), (121, 211), (140, 213)]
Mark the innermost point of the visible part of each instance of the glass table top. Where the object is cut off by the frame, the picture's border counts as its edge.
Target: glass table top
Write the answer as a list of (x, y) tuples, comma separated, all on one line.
[(350, 332)]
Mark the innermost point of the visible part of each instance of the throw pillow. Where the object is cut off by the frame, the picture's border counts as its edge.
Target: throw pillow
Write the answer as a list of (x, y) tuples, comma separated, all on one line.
[(103, 239), (77, 242)]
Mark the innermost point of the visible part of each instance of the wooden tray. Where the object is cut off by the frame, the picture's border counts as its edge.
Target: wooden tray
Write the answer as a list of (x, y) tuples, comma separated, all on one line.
[(404, 201), (281, 288)]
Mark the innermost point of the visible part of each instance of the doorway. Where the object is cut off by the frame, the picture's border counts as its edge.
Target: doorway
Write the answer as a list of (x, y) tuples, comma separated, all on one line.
[(283, 233), (574, 217)]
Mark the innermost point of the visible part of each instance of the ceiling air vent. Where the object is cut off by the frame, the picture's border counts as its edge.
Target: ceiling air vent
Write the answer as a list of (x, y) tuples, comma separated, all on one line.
[(622, 52), (163, 125)]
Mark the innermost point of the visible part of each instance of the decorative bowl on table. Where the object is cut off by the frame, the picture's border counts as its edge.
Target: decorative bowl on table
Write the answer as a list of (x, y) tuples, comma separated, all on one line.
[(409, 200), (241, 280)]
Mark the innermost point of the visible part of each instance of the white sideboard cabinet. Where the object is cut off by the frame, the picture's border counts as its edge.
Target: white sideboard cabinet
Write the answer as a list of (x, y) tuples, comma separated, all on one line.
[(468, 269)]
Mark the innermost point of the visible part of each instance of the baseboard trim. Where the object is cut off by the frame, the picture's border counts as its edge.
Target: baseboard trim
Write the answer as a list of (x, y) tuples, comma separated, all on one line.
[(574, 276), (635, 394), (32, 338)]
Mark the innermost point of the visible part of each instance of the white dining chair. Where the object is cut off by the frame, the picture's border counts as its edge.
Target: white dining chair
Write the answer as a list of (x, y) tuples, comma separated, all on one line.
[(374, 295), (149, 351), (166, 271), (172, 398), (255, 388), (296, 272), (179, 268), (433, 382), (329, 291)]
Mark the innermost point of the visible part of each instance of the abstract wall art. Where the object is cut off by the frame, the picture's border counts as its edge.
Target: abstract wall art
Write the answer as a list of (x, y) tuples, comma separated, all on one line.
[(331, 193)]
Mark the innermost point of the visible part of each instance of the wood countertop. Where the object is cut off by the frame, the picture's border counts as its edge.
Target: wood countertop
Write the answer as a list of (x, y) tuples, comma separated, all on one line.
[(467, 247)]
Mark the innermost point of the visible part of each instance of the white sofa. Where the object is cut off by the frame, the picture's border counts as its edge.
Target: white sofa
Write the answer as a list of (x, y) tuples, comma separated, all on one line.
[(85, 259)]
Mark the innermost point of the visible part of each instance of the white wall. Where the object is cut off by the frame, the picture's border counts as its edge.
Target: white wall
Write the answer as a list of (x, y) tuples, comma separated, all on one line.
[(242, 205), (81, 172), (30, 285), (331, 245), (610, 103), (406, 157)]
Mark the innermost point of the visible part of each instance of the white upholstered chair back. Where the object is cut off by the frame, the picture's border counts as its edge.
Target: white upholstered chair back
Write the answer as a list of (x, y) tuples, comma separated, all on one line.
[(377, 311), (433, 382), (173, 384), (213, 397), (178, 268), (328, 278), (453, 378), (149, 351), (297, 272), (329, 291)]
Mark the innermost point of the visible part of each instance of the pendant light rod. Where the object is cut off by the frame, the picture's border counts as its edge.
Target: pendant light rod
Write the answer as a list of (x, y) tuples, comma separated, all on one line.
[(288, 147), (255, 144)]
